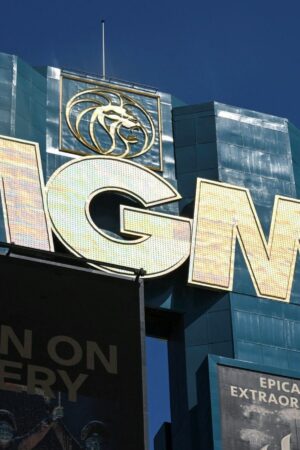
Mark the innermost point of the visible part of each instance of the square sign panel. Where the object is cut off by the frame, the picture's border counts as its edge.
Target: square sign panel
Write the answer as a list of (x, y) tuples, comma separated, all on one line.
[(99, 118), (259, 411), (71, 358)]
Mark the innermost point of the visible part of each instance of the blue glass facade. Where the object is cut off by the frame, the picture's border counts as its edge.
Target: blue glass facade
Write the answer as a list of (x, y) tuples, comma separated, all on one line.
[(259, 152), (216, 142)]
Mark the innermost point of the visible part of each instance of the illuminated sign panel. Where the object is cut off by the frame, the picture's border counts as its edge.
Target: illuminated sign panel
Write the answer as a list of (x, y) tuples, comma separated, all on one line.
[(223, 214), (163, 241), (226, 213), (22, 194)]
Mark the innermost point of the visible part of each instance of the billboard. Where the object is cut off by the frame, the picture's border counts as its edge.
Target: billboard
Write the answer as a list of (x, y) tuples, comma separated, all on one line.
[(71, 358), (258, 410)]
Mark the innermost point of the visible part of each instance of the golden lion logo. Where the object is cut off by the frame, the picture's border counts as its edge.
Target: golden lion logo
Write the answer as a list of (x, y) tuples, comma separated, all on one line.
[(110, 123)]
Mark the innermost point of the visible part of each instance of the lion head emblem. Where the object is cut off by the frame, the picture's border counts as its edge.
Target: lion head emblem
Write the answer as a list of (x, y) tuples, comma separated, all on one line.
[(110, 123)]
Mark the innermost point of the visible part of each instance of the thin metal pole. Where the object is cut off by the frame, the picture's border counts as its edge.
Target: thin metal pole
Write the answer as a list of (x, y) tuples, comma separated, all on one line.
[(103, 50)]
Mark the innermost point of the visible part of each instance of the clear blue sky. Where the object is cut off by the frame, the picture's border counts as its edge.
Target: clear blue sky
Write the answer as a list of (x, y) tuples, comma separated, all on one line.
[(244, 53)]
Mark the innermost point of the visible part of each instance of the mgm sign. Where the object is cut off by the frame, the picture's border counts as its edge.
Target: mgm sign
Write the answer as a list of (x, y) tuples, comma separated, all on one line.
[(160, 242)]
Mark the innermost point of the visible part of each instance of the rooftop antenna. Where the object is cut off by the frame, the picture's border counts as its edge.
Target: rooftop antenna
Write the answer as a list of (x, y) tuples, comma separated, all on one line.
[(103, 49)]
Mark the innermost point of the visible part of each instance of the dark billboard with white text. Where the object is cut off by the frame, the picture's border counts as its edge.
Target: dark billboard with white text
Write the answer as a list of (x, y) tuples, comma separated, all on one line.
[(259, 411), (71, 359)]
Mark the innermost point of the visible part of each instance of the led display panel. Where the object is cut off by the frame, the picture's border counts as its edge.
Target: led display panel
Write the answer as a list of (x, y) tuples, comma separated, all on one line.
[(258, 410), (225, 214), (71, 358), (162, 242)]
